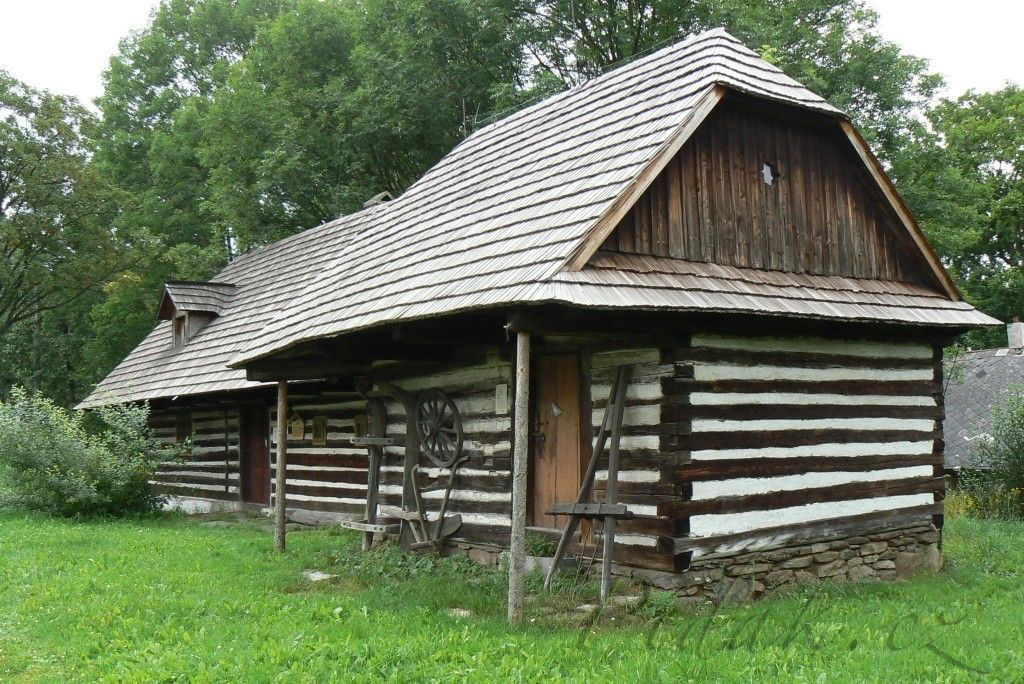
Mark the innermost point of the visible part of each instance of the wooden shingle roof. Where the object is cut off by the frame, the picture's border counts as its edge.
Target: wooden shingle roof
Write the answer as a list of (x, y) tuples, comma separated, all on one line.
[(184, 295), (980, 382), (507, 217), (263, 281)]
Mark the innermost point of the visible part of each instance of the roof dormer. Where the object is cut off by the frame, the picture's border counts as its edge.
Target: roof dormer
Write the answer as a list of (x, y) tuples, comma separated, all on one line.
[(191, 305)]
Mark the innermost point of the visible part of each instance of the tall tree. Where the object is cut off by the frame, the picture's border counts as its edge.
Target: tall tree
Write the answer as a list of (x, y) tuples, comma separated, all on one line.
[(155, 90), (56, 242), (337, 101)]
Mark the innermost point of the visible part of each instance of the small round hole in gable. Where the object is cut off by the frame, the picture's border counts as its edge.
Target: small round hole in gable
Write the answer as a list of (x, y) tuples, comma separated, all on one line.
[(769, 173)]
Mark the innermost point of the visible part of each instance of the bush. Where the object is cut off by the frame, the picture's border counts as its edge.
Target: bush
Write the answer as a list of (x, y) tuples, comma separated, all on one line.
[(993, 486), (71, 463)]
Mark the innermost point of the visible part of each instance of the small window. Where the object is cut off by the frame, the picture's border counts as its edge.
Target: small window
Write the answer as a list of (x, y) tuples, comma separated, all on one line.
[(179, 330), (183, 427), (769, 173)]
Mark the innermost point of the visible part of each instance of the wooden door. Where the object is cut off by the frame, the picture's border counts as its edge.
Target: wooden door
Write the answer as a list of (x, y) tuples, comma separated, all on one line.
[(556, 422), (255, 456)]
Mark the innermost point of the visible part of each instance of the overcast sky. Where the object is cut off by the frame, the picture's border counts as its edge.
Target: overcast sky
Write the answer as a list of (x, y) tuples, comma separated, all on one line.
[(64, 45)]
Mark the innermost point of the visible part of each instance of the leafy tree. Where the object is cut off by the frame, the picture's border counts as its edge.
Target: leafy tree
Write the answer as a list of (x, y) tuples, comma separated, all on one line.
[(336, 101), (157, 91), (55, 209), (832, 46), (964, 178), (154, 93)]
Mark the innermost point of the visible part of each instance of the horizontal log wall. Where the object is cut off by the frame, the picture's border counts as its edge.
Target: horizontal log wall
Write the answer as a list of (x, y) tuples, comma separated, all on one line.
[(211, 470), (646, 472), (333, 477), (783, 437), (330, 477), (481, 493)]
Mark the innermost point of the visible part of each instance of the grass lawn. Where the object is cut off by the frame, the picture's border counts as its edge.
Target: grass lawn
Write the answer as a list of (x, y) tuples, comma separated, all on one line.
[(168, 599)]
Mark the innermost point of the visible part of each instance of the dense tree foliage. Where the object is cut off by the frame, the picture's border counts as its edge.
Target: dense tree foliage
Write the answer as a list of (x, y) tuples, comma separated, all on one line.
[(832, 46), (965, 179), (226, 124), (56, 209)]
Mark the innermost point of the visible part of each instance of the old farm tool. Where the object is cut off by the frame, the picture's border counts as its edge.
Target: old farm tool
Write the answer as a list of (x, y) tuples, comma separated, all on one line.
[(610, 510), (439, 428), (375, 442), (434, 430)]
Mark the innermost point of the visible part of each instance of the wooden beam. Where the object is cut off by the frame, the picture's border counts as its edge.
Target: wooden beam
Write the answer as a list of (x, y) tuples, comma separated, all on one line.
[(582, 323), (282, 458), (378, 414), (899, 206), (590, 509), (520, 456), (378, 348), (301, 369), (607, 223)]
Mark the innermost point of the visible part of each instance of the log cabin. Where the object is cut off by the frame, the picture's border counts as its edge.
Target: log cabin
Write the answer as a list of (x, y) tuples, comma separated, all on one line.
[(693, 254)]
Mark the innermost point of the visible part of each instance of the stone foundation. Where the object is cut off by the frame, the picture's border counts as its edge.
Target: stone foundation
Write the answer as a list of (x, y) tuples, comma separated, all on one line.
[(192, 505), (747, 576)]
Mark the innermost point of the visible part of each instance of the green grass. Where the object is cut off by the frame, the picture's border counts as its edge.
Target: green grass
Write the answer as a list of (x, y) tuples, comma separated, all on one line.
[(167, 599)]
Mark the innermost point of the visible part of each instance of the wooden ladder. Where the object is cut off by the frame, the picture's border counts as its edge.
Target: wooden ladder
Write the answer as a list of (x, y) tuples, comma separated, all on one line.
[(610, 510)]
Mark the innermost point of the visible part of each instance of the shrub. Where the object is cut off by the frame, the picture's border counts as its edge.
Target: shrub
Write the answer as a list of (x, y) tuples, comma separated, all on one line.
[(71, 463), (994, 484)]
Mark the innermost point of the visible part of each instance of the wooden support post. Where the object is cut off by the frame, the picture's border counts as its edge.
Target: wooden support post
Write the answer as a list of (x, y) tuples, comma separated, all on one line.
[(520, 460), (612, 487), (282, 456), (377, 412)]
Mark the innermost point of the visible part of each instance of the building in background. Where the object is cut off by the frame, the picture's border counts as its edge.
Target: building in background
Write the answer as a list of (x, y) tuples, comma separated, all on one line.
[(977, 383)]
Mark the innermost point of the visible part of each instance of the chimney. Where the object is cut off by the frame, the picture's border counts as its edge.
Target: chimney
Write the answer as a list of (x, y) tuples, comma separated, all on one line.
[(379, 198), (1015, 334)]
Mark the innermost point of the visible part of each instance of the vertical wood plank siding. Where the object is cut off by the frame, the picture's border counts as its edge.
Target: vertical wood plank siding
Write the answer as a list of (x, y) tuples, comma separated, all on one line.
[(820, 216), (778, 434), (211, 470)]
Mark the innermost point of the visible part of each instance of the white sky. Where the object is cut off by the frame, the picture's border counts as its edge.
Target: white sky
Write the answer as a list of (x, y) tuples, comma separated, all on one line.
[(972, 43), (64, 45)]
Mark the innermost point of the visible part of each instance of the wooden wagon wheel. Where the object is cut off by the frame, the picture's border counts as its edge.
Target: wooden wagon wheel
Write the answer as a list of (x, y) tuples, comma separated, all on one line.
[(440, 427)]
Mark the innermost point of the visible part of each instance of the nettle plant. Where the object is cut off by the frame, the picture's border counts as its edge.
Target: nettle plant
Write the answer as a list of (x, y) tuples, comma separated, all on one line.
[(72, 463), (996, 482)]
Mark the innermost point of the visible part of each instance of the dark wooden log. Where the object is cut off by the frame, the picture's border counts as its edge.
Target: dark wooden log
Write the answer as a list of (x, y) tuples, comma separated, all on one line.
[(799, 497), (727, 469), (683, 386), (832, 528)]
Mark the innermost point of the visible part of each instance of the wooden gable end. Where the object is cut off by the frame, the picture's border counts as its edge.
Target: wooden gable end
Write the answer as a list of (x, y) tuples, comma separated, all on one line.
[(821, 214)]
